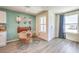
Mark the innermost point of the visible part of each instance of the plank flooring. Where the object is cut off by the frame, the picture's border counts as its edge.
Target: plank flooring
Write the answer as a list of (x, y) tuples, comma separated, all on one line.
[(41, 46)]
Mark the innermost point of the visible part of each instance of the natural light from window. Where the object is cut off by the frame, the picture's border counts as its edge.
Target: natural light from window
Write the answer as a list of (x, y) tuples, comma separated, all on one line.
[(71, 23), (43, 24)]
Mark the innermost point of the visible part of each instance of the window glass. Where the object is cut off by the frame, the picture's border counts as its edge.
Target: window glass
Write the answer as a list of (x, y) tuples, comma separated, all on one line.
[(71, 23), (43, 24)]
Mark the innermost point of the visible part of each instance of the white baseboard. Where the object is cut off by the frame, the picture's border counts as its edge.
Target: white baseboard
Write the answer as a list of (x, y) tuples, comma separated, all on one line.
[(12, 40), (52, 38)]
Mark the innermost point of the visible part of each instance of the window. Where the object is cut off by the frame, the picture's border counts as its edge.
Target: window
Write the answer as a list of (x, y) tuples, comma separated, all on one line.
[(43, 24), (71, 23)]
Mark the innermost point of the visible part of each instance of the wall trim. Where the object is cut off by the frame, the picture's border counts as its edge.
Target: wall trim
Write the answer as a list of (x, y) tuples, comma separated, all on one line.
[(12, 40)]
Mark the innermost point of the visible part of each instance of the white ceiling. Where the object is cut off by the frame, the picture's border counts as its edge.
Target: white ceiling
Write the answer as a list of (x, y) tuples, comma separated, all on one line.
[(34, 10), (63, 9)]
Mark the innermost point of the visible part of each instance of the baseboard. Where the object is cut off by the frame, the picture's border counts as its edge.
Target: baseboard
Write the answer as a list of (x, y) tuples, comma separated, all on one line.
[(55, 37), (41, 38), (12, 40)]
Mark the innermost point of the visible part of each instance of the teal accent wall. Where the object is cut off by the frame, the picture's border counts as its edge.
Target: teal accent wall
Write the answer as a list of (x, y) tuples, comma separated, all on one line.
[(12, 24)]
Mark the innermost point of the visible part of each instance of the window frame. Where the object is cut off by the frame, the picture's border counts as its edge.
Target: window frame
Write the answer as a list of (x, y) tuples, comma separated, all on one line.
[(43, 24)]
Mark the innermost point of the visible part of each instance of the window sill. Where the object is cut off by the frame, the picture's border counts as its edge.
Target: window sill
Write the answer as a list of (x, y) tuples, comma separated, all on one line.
[(71, 32)]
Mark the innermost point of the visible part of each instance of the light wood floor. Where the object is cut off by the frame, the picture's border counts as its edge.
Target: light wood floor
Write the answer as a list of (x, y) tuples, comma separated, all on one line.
[(40, 46)]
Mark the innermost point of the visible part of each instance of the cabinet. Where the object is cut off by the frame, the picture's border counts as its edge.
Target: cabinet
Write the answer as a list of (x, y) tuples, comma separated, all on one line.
[(2, 17), (2, 39), (2, 28)]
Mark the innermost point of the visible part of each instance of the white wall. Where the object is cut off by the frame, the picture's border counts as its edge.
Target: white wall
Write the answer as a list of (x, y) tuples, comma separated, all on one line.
[(57, 18), (72, 36), (51, 24)]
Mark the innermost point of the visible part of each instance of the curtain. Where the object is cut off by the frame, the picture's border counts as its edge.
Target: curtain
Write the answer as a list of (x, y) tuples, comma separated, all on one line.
[(61, 27)]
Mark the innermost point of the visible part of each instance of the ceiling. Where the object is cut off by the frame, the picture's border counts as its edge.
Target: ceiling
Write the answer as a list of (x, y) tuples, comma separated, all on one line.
[(64, 9), (34, 10)]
